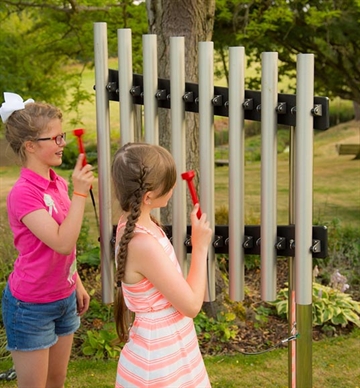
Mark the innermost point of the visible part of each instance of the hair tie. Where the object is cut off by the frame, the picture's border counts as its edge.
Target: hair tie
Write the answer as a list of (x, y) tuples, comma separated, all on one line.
[(13, 102)]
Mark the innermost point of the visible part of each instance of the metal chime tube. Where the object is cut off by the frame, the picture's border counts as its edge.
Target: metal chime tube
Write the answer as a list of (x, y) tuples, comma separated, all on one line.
[(206, 146), (127, 113), (151, 119), (291, 270), (269, 80), (178, 145), (236, 172), (103, 146), (303, 216)]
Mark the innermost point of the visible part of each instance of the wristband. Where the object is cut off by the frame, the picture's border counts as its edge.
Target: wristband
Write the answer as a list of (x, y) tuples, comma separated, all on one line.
[(80, 194)]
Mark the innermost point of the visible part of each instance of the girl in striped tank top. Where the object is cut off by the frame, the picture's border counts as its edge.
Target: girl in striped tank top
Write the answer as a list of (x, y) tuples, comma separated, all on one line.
[(161, 347)]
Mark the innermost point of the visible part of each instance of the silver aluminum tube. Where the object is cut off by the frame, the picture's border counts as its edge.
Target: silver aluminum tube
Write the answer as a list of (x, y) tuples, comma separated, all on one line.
[(150, 70), (304, 177), (236, 172), (127, 112), (206, 146), (303, 216), (269, 80), (291, 264), (178, 146), (103, 148)]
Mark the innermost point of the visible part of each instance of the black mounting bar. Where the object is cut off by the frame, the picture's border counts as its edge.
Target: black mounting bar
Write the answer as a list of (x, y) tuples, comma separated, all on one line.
[(286, 108), (285, 244)]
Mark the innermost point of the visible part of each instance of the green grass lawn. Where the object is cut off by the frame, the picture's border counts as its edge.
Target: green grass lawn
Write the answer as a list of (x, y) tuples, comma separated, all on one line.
[(335, 365)]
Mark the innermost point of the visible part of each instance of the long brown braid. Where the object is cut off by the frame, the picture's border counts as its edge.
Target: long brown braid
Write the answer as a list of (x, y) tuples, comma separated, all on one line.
[(137, 168)]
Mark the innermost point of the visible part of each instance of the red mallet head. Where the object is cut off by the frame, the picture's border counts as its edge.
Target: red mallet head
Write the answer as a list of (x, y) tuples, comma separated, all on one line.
[(189, 176), (78, 133)]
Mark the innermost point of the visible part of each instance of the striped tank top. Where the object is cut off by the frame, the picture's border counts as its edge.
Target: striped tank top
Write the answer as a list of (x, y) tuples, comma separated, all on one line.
[(162, 350)]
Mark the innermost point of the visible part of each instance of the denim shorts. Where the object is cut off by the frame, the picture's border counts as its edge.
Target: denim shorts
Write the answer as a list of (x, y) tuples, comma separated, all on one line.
[(33, 326)]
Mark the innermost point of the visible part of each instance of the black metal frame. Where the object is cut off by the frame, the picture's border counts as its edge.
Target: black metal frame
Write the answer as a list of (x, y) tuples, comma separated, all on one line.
[(285, 244), (286, 107), (286, 115)]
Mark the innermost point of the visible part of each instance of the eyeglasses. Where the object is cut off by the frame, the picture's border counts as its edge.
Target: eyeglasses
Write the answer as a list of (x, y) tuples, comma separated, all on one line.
[(58, 138)]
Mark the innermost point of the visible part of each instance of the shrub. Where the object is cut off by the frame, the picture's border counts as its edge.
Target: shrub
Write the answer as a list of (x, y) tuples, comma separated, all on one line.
[(71, 153), (8, 252), (221, 329), (344, 254), (340, 111), (99, 344), (329, 306)]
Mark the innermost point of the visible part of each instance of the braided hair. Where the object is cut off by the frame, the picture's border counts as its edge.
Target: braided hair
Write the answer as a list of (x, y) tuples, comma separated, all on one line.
[(136, 169)]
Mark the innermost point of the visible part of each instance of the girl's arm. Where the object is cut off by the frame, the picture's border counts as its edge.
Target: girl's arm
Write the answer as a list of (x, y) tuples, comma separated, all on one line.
[(147, 257), (62, 238)]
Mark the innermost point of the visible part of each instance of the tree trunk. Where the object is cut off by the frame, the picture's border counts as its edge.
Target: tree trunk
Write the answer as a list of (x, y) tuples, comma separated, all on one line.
[(193, 19), (356, 110)]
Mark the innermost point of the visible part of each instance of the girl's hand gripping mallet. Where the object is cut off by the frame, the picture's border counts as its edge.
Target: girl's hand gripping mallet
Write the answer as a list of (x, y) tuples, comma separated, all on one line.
[(189, 176), (78, 133)]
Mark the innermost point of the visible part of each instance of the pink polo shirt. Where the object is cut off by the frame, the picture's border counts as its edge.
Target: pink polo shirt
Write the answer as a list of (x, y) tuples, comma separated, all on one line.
[(40, 274)]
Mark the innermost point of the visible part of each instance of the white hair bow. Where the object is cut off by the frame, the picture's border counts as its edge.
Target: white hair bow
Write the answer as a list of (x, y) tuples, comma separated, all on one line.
[(12, 103)]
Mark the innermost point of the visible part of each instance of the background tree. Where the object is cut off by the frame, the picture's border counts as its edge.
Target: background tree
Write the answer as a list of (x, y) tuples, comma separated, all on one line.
[(38, 40), (41, 40), (192, 19), (326, 28)]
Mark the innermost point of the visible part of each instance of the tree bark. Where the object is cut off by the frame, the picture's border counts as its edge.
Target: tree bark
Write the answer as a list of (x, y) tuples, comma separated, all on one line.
[(193, 19), (356, 110)]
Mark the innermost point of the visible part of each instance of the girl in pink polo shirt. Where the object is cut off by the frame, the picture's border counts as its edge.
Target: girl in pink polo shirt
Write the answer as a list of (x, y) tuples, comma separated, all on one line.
[(44, 297)]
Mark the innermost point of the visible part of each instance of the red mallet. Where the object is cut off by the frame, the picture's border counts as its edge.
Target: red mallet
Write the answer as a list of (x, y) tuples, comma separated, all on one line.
[(188, 176), (79, 133)]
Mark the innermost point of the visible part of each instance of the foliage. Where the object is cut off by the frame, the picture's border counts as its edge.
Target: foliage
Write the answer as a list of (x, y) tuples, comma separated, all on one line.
[(7, 258), (4, 354), (221, 329), (344, 253), (340, 111), (222, 215), (221, 137), (97, 336), (328, 29), (99, 311), (70, 155), (261, 315), (99, 344), (41, 40), (90, 257), (8, 252), (330, 306), (252, 144)]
